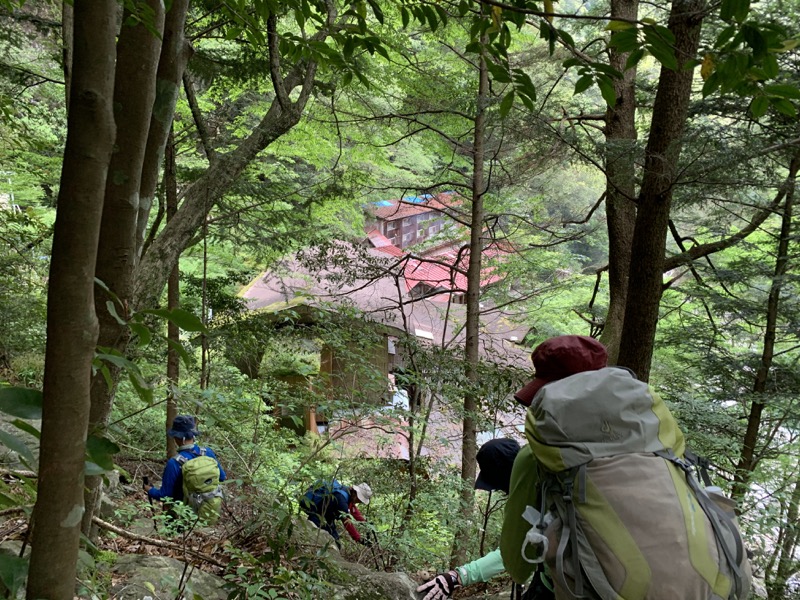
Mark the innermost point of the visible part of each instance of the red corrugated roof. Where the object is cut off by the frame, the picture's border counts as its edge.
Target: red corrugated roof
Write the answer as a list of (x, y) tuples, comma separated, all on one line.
[(436, 271)]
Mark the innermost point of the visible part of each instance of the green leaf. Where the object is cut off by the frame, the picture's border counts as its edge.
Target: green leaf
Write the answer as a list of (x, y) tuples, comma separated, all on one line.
[(178, 347), (101, 450), (442, 13), (142, 387), (527, 101), (783, 91), (625, 41), (759, 106), (634, 58), (27, 428), (567, 38), (664, 54), (619, 26), (430, 15), (724, 36), (142, 333), (583, 84), (506, 104), (498, 72), (12, 442), (112, 310), (21, 402), (770, 64), (13, 570), (91, 469), (734, 9), (376, 10), (8, 502), (607, 90), (783, 106), (754, 39), (182, 318), (405, 17)]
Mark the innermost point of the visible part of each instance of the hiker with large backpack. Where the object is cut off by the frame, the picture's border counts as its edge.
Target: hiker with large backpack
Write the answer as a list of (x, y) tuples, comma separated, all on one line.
[(604, 495), (327, 502), (495, 459), (193, 476)]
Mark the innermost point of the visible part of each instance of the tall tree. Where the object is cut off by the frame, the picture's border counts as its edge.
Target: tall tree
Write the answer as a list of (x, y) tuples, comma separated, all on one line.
[(620, 133), (748, 458), (138, 50), (662, 153), (72, 326), (469, 447)]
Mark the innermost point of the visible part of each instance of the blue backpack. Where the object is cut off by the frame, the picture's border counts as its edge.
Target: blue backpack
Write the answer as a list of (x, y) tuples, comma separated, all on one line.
[(322, 492)]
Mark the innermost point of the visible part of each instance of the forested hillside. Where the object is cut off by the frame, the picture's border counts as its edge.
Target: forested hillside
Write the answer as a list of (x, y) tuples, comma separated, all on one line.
[(334, 231)]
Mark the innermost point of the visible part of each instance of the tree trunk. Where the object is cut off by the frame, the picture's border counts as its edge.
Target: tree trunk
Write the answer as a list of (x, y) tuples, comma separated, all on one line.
[(472, 326), (72, 327), (173, 297), (200, 198), (175, 53), (787, 564), (67, 24), (620, 168), (747, 458), (138, 49), (660, 169)]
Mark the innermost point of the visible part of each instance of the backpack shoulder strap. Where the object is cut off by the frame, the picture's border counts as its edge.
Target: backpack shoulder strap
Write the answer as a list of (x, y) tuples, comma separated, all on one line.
[(183, 459)]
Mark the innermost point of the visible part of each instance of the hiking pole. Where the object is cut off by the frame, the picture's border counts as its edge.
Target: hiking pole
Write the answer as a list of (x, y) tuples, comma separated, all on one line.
[(146, 482)]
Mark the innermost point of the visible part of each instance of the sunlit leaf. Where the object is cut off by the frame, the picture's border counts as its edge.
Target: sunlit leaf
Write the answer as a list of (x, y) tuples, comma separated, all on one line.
[(27, 428), (619, 26), (707, 67)]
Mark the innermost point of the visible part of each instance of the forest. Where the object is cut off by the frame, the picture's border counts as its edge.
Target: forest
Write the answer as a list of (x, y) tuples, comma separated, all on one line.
[(333, 231)]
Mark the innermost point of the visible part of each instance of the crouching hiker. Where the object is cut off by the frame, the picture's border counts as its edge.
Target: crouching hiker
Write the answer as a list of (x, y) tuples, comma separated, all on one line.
[(495, 460), (327, 502), (603, 492), (193, 476)]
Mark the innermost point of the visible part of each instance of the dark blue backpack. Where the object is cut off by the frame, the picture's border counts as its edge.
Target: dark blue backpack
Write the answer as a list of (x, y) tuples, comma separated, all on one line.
[(322, 492)]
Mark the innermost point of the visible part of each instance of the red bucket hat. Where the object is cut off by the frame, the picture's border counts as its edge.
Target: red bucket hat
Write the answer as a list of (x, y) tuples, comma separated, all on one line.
[(561, 357)]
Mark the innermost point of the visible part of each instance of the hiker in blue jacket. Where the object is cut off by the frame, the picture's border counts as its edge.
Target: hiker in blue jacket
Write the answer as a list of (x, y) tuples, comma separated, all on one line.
[(184, 432), (327, 502)]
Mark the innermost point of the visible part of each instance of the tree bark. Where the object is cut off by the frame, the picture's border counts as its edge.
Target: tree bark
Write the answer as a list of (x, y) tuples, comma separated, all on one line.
[(620, 169), (173, 297), (655, 197), (67, 24), (138, 49), (202, 195), (472, 325), (175, 52), (787, 564), (747, 458), (72, 326)]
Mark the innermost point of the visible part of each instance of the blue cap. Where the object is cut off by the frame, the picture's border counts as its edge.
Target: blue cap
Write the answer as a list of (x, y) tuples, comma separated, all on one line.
[(183, 427)]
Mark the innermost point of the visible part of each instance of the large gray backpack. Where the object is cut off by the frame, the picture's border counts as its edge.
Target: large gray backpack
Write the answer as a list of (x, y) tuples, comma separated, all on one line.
[(626, 518)]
